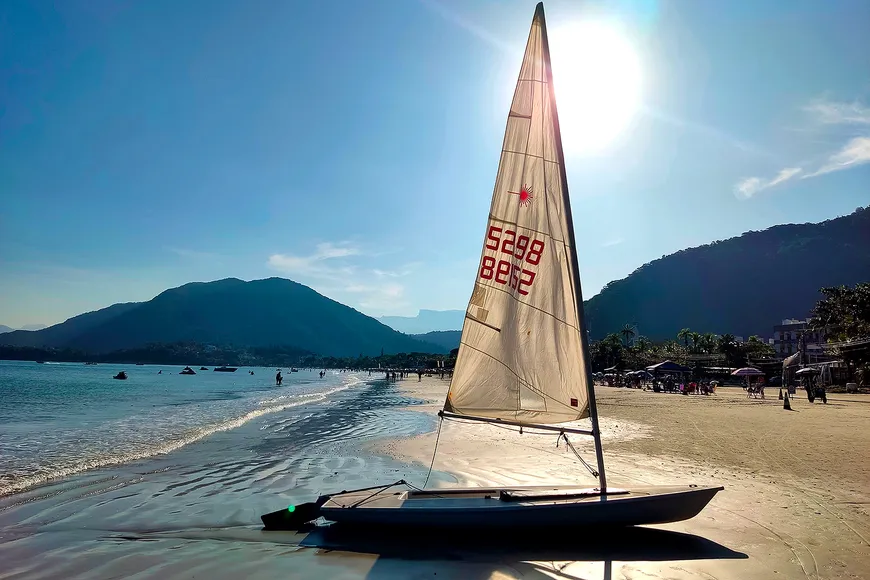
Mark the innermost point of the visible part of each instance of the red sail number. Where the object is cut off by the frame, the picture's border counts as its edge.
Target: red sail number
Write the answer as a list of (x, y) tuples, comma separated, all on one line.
[(520, 248)]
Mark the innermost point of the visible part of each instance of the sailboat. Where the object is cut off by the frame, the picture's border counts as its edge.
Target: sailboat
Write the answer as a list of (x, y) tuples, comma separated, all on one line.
[(523, 357)]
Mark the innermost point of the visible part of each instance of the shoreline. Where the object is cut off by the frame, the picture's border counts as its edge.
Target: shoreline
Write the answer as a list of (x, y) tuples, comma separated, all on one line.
[(267, 403)]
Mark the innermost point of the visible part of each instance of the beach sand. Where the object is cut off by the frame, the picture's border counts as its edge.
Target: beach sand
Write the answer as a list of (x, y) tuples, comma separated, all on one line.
[(797, 483), (794, 505)]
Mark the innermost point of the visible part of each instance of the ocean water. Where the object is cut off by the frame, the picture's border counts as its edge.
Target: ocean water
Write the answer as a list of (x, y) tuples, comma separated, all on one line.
[(58, 419)]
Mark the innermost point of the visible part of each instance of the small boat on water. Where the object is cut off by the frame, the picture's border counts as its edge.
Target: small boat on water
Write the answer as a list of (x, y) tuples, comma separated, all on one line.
[(187, 371), (294, 370), (203, 368), (526, 307), (226, 369), (122, 376)]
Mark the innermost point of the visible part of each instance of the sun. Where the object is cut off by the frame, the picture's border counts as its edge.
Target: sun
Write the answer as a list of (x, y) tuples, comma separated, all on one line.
[(597, 77)]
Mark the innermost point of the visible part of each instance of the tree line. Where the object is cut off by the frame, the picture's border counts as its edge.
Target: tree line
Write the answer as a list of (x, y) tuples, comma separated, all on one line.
[(629, 350)]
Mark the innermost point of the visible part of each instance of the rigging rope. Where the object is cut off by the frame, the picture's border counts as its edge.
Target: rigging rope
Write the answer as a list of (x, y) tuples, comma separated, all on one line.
[(570, 445), (377, 491), (434, 451), (561, 436)]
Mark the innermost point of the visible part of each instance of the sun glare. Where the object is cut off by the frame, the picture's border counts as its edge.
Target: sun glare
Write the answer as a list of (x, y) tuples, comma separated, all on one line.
[(597, 78)]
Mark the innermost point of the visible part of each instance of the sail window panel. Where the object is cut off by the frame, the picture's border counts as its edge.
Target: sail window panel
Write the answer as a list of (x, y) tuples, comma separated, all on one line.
[(523, 101), (516, 136), (531, 400)]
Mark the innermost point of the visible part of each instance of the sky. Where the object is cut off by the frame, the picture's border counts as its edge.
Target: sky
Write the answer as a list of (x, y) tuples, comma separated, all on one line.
[(352, 146)]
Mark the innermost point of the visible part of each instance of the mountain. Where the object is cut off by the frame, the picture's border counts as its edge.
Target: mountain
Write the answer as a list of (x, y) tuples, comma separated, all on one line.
[(260, 313), (4, 328), (741, 285), (426, 321), (61, 335), (448, 339)]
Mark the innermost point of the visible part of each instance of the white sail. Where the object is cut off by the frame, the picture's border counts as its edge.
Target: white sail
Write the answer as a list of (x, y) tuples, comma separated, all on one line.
[(521, 356)]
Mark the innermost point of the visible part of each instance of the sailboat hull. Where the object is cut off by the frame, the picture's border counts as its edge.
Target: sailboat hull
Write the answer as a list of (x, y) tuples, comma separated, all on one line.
[(541, 507)]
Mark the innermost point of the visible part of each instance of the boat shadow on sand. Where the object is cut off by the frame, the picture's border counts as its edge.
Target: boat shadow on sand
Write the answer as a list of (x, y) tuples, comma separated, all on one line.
[(519, 549)]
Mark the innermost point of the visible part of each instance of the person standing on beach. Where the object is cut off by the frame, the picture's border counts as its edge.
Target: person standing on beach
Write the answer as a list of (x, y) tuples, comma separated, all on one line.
[(278, 379)]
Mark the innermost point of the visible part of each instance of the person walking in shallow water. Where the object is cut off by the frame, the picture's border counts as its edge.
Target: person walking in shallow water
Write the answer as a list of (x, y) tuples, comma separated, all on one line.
[(278, 379)]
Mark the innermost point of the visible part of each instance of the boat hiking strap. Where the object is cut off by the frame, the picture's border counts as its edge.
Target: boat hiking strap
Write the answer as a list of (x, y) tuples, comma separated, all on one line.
[(570, 445)]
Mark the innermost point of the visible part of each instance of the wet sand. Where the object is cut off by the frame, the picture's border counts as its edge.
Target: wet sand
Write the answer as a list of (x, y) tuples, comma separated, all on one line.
[(789, 510), (797, 483)]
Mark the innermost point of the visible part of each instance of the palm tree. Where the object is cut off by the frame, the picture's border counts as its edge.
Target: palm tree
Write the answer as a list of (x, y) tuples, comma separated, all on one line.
[(684, 335), (725, 343), (671, 347), (734, 355), (612, 349), (757, 347), (627, 333), (708, 342), (642, 344), (696, 339)]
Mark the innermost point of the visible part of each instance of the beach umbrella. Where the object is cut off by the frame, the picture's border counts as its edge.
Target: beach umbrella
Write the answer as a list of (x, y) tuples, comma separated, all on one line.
[(747, 372), (668, 367)]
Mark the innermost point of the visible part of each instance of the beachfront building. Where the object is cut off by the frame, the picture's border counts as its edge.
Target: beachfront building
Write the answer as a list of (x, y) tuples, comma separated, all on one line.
[(787, 337)]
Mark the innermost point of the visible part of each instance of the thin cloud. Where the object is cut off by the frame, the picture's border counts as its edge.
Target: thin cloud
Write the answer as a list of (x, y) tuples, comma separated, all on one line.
[(195, 254), (706, 130), (838, 113), (316, 264), (784, 175), (403, 271), (328, 270), (327, 250), (384, 298), (750, 186), (856, 152), (610, 243), (837, 121), (467, 25)]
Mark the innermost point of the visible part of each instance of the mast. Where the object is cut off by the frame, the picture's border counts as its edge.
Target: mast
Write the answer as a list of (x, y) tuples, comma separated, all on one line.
[(578, 293)]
